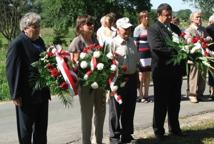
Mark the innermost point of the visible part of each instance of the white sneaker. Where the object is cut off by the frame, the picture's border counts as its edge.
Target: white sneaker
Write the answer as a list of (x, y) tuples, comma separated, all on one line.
[(193, 99)]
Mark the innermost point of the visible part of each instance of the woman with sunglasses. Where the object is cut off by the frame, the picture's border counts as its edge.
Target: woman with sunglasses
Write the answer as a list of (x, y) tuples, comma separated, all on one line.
[(89, 98)]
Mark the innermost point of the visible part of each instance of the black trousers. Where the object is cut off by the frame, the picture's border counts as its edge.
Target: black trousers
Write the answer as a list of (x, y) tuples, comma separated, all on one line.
[(167, 97), (32, 121), (123, 113), (210, 79)]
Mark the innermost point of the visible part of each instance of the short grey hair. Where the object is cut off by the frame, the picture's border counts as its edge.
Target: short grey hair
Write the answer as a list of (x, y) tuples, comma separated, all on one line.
[(193, 14), (29, 19), (211, 19)]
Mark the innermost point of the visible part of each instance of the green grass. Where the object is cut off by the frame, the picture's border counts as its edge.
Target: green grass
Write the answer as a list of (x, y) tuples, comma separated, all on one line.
[(47, 34), (201, 133)]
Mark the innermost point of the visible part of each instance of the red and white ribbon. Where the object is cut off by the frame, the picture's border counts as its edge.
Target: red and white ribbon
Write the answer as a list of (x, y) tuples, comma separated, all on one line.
[(70, 78), (112, 79), (93, 63), (118, 98)]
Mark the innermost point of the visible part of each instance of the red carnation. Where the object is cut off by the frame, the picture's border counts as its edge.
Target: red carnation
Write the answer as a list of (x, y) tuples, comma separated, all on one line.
[(90, 47), (182, 34), (202, 40), (49, 66), (99, 47), (206, 53), (204, 45), (54, 72), (124, 68), (50, 54), (195, 39), (63, 85)]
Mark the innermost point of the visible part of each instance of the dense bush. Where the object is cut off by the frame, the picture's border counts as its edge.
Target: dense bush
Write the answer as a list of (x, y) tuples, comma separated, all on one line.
[(4, 91), (0, 43)]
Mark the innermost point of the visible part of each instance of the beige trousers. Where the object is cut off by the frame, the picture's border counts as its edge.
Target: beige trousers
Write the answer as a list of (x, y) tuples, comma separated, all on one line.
[(92, 100), (197, 81)]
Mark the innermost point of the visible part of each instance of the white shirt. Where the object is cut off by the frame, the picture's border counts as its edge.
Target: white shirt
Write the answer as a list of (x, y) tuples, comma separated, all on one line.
[(103, 38), (127, 52)]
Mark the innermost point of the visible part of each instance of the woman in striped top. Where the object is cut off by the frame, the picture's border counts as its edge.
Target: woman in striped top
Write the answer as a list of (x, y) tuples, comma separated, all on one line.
[(140, 36)]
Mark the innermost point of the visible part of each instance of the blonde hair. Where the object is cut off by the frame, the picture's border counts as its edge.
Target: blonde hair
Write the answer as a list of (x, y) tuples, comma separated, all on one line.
[(108, 19), (102, 20), (211, 19)]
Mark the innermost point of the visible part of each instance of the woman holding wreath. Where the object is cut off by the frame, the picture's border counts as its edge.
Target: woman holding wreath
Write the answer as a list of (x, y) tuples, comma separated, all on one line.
[(89, 98)]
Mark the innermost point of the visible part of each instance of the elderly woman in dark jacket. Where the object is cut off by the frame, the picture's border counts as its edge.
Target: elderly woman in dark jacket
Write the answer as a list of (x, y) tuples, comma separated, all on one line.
[(31, 104)]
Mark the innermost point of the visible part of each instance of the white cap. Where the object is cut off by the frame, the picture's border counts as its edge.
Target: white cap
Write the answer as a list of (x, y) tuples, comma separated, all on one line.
[(123, 23)]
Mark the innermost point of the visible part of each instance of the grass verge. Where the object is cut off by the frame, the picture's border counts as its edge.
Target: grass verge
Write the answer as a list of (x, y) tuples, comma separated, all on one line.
[(199, 129)]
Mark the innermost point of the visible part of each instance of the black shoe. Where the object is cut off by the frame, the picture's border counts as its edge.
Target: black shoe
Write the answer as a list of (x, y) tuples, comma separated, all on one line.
[(178, 134), (126, 138), (115, 140), (160, 138), (138, 99)]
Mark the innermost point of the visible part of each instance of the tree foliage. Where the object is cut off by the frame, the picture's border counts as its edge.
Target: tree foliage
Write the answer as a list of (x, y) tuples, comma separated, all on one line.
[(61, 14), (184, 14), (206, 6), (10, 13)]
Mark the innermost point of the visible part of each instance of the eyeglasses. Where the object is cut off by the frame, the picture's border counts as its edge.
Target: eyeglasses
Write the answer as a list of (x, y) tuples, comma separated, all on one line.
[(89, 23), (35, 26)]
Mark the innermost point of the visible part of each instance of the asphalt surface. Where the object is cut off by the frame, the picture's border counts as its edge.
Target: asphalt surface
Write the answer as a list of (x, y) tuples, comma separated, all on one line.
[(65, 123)]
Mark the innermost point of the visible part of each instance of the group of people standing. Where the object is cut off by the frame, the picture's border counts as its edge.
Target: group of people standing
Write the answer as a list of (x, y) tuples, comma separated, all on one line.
[(143, 52)]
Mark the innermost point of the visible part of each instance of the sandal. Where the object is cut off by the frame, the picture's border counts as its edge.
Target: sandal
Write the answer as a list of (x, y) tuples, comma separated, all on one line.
[(145, 100)]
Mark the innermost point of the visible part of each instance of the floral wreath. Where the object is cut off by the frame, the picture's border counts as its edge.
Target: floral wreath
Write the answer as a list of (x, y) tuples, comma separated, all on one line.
[(98, 68)]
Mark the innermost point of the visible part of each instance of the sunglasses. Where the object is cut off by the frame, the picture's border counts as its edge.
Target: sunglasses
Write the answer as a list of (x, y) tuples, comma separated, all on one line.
[(89, 23)]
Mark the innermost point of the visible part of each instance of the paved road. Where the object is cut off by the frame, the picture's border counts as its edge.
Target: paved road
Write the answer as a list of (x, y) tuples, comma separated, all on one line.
[(64, 123)]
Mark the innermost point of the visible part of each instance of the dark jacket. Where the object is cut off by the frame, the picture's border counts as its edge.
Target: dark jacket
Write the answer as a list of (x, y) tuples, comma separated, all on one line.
[(158, 35), (210, 31), (22, 52)]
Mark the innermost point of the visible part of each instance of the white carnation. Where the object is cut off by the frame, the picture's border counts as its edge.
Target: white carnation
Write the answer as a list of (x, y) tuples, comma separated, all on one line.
[(113, 67), (197, 46), (186, 36), (94, 85), (85, 77), (53, 50), (175, 38), (189, 40), (114, 88), (100, 66), (109, 55), (82, 55), (186, 48), (83, 64), (97, 54)]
